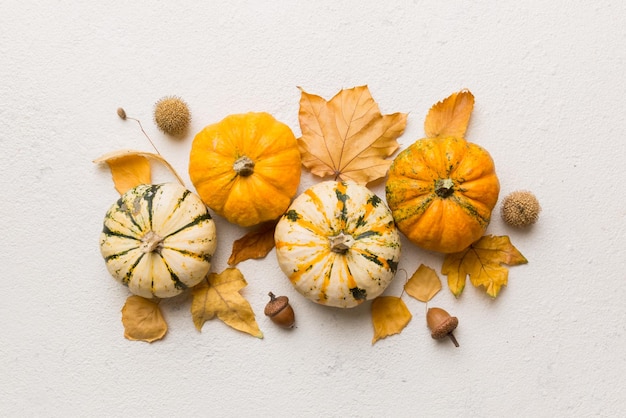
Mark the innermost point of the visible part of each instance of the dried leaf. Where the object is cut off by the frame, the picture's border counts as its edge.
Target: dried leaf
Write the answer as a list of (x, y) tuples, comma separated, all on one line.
[(142, 320), (219, 295), (131, 168), (347, 137), (424, 284), (450, 116), (255, 244), (482, 261), (389, 316), (129, 171)]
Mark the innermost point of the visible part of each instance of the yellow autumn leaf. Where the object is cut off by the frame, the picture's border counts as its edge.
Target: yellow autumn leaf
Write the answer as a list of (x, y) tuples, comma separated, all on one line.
[(424, 284), (142, 320), (483, 263), (450, 116), (347, 137), (389, 316), (219, 296), (255, 244), (131, 168)]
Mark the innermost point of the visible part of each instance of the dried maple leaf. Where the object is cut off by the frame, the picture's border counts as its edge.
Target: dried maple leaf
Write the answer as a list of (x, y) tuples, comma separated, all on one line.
[(131, 168), (389, 316), (450, 116), (347, 137), (255, 244), (142, 320), (424, 284), (482, 261), (219, 295)]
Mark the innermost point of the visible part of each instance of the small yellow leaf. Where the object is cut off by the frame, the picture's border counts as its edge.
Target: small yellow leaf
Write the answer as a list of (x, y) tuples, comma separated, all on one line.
[(423, 284), (142, 320), (450, 116), (129, 171), (219, 296), (131, 168), (483, 262), (255, 244), (347, 137), (389, 316)]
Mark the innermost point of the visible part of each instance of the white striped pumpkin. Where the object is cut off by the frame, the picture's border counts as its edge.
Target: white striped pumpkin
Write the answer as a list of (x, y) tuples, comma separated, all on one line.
[(158, 239), (338, 244)]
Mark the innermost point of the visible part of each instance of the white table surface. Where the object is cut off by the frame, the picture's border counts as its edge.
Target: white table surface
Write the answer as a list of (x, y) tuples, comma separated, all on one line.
[(550, 87)]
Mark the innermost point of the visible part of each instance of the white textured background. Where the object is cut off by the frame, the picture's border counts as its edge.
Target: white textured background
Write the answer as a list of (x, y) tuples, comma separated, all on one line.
[(549, 81)]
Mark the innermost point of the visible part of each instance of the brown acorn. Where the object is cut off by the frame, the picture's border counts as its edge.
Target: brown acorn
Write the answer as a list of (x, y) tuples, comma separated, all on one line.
[(441, 324), (280, 311)]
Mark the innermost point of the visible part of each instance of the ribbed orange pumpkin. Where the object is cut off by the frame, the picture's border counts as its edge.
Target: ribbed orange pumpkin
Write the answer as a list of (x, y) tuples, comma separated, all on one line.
[(246, 167), (441, 192)]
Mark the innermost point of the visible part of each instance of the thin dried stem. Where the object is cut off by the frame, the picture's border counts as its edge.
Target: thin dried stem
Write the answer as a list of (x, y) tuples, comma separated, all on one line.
[(145, 134)]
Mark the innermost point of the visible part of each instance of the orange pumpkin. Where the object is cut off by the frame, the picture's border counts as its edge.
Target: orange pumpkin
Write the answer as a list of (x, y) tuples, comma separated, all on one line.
[(441, 192), (246, 167)]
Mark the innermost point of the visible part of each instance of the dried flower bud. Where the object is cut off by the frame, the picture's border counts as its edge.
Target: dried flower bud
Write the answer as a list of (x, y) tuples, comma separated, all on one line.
[(121, 113), (520, 208), (172, 115)]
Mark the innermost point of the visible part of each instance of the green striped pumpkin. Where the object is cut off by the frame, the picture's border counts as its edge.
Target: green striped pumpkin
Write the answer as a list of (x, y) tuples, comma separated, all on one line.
[(158, 239), (338, 244)]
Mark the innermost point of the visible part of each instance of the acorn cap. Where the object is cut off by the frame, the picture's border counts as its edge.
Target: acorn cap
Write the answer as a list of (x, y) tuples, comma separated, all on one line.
[(276, 304), (445, 328)]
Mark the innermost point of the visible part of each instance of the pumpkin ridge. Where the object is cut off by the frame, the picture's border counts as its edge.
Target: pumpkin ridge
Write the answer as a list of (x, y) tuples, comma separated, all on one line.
[(120, 254), (310, 262), (367, 234), (408, 209), (124, 209), (196, 256), (342, 198), (319, 206), (178, 284), (178, 205), (129, 273), (110, 233), (471, 210), (149, 197), (329, 265), (196, 221)]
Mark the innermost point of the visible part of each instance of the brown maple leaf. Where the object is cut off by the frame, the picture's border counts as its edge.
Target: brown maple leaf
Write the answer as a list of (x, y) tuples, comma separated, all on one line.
[(483, 263), (347, 137)]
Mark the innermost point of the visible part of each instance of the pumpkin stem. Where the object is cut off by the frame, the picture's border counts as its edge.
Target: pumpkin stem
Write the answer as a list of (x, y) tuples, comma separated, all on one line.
[(341, 243), (244, 166), (151, 242), (444, 187)]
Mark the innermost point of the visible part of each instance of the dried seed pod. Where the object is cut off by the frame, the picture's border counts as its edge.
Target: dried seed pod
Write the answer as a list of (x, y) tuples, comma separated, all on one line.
[(441, 324), (520, 209), (280, 311), (121, 113), (172, 115)]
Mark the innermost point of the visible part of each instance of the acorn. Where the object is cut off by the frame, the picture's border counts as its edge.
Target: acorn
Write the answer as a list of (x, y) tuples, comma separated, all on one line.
[(280, 311), (441, 324)]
